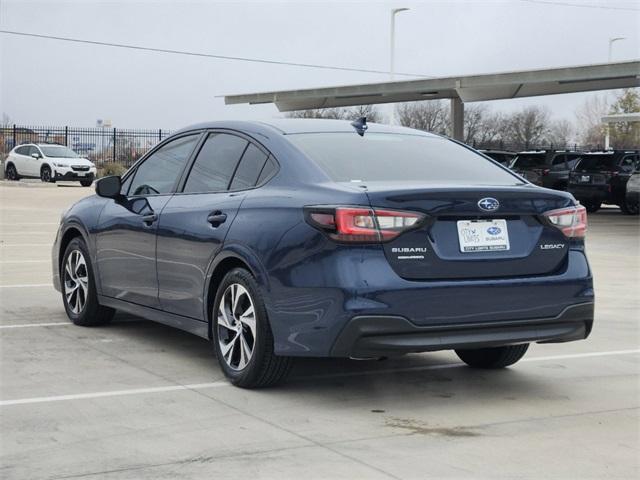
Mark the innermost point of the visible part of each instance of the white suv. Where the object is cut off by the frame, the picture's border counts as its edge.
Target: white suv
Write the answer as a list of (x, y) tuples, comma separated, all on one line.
[(49, 163)]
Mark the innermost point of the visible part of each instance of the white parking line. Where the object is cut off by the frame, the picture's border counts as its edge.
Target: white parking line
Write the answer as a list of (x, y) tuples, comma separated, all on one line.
[(4, 262), (26, 244), (27, 325), (31, 285), (11, 224), (202, 386)]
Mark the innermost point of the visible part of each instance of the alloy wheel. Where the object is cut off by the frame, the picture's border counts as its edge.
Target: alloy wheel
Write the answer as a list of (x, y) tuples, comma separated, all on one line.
[(11, 172), (46, 175), (76, 281), (236, 326)]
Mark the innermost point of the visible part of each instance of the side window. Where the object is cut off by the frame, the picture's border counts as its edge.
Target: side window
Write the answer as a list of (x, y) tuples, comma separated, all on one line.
[(34, 149), (249, 169), (159, 172), (558, 163), (572, 161), (627, 164), (215, 163), (124, 189), (268, 170), (23, 150)]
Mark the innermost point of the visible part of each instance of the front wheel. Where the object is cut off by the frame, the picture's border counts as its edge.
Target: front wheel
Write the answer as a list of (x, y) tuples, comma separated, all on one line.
[(630, 208), (592, 207), (79, 289), (493, 357), (242, 337), (86, 183)]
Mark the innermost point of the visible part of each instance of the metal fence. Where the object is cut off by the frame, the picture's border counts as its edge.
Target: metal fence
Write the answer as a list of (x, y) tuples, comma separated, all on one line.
[(100, 145)]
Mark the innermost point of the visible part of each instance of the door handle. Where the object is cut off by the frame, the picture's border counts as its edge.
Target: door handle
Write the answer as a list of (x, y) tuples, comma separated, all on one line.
[(149, 219), (217, 218)]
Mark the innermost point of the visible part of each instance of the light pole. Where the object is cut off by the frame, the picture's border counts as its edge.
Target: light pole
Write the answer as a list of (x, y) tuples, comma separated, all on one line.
[(392, 47), (612, 40)]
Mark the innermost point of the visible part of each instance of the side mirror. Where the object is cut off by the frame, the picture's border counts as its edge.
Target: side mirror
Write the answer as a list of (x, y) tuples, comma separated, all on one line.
[(109, 187), (36, 156)]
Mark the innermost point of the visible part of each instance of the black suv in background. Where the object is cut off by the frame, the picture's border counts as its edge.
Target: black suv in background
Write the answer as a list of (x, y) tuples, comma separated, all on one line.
[(601, 177), (503, 157), (546, 168)]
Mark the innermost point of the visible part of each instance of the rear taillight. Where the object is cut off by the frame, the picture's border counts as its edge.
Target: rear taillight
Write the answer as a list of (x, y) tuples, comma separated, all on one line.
[(361, 224), (572, 221)]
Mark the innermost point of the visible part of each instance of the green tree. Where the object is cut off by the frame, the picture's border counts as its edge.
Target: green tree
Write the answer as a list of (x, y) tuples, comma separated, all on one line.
[(625, 134)]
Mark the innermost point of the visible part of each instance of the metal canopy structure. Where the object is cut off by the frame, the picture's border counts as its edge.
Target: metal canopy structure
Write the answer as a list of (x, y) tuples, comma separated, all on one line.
[(462, 88)]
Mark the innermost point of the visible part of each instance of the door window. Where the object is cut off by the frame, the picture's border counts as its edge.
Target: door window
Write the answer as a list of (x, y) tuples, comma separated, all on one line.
[(558, 163), (23, 150), (267, 171), (33, 149), (215, 164), (160, 171), (627, 164), (249, 169)]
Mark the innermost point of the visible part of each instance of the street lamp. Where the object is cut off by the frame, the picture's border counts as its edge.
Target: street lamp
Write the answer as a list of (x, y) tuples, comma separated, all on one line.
[(612, 40), (392, 47)]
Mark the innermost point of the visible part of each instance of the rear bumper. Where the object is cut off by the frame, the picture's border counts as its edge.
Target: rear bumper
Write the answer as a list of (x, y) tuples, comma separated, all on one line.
[(596, 194), (375, 336)]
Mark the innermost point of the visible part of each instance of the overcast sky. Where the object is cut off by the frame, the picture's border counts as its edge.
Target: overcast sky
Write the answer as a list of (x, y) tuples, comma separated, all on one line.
[(59, 83)]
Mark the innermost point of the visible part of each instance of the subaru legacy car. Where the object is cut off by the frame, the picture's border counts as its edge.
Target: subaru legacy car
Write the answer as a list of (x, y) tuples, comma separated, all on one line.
[(324, 238), (50, 163)]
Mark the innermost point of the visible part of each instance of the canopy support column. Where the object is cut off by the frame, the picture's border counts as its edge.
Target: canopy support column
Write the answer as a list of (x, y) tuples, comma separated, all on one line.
[(457, 118)]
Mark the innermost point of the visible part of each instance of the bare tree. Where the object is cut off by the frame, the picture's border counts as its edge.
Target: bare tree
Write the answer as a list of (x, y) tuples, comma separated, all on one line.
[(430, 116), (527, 127), (589, 120), (6, 120), (340, 113), (560, 133)]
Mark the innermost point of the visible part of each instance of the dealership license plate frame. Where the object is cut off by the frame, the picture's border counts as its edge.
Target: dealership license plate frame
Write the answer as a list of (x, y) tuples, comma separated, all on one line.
[(474, 236)]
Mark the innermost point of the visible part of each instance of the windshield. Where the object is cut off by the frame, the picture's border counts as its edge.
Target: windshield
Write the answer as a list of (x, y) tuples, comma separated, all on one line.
[(56, 151), (348, 157), (529, 160), (596, 162)]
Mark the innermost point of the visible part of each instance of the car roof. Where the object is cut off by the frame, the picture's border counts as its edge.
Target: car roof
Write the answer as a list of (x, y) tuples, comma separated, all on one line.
[(286, 126)]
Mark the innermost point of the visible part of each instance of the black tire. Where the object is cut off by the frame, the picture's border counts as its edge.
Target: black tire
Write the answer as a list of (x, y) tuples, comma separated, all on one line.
[(12, 173), (494, 357), (264, 367), (629, 208), (92, 313), (592, 207), (86, 183), (45, 174)]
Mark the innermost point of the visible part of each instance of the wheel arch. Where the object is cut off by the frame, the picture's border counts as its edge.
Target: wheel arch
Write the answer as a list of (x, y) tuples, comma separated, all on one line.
[(71, 231), (223, 263)]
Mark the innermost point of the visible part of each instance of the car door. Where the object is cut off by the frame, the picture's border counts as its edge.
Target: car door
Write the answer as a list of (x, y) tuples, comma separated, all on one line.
[(195, 222), (34, 163), (126, 230), (20, 159)]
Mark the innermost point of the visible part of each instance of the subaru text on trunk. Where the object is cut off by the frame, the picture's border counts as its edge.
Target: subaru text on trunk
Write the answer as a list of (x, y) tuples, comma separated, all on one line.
[(322, 238)]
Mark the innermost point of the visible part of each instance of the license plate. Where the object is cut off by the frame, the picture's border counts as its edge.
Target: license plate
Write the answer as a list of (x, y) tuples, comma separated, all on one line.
[(81, 174), (483, 235), (585, 178)]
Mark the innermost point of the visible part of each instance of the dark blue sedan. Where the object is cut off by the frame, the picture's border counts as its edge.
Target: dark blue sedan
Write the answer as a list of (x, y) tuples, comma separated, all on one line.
[(328, 239)]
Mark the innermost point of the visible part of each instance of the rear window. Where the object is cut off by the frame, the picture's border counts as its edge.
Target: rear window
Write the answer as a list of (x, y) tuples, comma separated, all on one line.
[(529, 160), (597, 162), (348, 157)]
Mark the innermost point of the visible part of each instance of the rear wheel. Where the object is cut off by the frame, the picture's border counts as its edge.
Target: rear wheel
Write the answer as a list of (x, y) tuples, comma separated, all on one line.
[(12, 173), (78, 287), (45, 174), (242, 337), (494, 357), (592, 207), (629, 208)]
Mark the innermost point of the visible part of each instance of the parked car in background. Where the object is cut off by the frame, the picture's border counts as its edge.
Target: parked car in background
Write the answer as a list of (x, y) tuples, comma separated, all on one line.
[(321, 238), (50, 163), (601, 177), (632, 196), (546, 168), (503, 157)]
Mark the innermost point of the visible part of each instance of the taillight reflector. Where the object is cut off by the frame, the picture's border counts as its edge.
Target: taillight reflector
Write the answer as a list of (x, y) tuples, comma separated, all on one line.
[(572, 221), (360, 224)]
